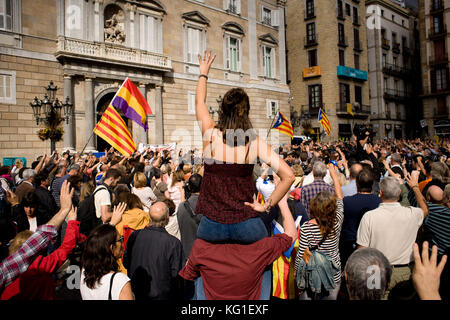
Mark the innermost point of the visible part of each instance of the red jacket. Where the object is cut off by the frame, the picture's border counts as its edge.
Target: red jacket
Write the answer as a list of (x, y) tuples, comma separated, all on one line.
[(36, 283)]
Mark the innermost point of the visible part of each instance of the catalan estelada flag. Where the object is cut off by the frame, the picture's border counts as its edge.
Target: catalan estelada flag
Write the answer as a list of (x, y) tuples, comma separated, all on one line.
[(283, 125), (132, 103), (113, 130), (283, 279), (323, 119)]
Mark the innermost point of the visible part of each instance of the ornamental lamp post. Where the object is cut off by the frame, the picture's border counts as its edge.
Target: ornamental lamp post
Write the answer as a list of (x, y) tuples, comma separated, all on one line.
[(48, 111)]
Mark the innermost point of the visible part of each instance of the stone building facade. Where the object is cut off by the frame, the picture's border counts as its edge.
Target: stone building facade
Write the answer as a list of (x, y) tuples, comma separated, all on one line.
[(89, 47), (434, 19), (327, 63), (392, 48)]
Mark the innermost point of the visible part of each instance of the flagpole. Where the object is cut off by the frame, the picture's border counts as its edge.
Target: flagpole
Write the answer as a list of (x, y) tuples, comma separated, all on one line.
[(87, 143), (270, 128)]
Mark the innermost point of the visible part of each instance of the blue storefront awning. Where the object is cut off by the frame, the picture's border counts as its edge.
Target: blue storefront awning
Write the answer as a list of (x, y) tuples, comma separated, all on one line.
[(343, 71)]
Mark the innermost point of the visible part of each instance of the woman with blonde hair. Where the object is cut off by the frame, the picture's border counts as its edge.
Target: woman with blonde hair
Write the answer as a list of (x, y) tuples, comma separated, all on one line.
[(145, 194)]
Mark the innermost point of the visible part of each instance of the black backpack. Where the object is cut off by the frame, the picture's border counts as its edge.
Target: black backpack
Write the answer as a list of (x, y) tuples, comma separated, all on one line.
[(86, 213)]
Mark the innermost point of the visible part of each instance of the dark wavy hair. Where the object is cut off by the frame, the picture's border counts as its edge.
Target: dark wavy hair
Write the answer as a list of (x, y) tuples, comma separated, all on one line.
[(98, 258), (323, 209), (234, 115)]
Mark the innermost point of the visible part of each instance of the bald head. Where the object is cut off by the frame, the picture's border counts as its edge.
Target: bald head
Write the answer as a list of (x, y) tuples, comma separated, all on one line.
[(435, 194), (355, 169), (159, 214)]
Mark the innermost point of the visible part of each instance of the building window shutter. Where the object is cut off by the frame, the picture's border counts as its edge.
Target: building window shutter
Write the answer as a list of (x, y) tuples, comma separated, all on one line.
[(273, 62), (238, 54), (275, 18), (320, 95), (433, 80)]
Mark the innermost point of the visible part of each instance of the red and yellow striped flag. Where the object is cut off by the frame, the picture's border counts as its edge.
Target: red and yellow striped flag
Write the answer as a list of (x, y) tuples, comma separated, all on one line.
[(323, 119), (113, 130), (283, 125)]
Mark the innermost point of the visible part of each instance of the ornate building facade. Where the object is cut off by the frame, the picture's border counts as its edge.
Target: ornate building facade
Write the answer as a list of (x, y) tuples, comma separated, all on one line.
[(89, 47)]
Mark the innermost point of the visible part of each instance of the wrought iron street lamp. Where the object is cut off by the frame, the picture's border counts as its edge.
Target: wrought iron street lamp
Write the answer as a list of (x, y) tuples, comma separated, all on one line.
[(48, 112)]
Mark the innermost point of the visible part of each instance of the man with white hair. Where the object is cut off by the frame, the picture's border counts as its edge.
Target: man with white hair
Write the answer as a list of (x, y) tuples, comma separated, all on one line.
[(26, 186), (392, 228), (359, 270), (308, 192), (153, 259)]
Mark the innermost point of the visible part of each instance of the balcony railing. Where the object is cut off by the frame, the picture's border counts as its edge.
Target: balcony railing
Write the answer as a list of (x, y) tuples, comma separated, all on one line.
[(310, 111), (311, 40), (444, 88), (439, 60), (359, 110), (358, 46), (395, 95), (396, 47), (439, 33), (395, 70), (436, 6), (232, 8), (310, 14), (342, 41), (99, 51), (267, 21), (385, 44)]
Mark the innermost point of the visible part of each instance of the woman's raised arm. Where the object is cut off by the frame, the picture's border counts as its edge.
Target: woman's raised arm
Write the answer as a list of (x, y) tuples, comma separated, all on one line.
[(204, 119)]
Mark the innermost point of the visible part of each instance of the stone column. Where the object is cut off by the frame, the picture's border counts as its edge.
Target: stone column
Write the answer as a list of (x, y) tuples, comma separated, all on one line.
[(90, 114), (69, 128), (159, 124), (282, 44), (252, 38), (143, 137)]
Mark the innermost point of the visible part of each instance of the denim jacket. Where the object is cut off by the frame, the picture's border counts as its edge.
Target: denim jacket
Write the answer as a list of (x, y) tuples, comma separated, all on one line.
[(318, 273)]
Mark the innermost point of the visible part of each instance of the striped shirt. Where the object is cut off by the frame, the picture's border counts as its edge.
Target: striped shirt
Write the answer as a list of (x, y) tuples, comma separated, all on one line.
[(438, 223), (310, 236)]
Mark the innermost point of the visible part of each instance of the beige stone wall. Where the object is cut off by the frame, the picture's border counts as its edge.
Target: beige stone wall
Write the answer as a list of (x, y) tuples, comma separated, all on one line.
[(18, 129)]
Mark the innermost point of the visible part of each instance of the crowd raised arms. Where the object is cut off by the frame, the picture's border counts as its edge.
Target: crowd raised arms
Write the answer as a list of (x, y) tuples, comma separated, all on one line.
[(164, 224)]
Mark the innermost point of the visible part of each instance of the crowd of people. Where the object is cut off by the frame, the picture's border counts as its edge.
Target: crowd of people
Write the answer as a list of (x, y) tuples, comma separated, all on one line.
[(359, 220)]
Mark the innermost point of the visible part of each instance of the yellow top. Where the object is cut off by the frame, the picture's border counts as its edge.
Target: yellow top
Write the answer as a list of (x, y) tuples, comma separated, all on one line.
[(135, 219)]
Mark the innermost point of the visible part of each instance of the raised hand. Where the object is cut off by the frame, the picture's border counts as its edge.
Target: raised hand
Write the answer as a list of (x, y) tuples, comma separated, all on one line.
[(12, 198), (206, 62), (117, 213), (427, 273), (66, 196)]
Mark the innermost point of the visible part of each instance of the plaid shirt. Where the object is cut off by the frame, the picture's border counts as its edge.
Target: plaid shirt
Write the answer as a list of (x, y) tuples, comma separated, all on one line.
[(309, 191), (17, 263)]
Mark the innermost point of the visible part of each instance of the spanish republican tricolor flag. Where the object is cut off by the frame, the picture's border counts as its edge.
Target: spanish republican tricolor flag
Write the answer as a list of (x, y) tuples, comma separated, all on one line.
[(113, 129), (283, 125), (132, 103)]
